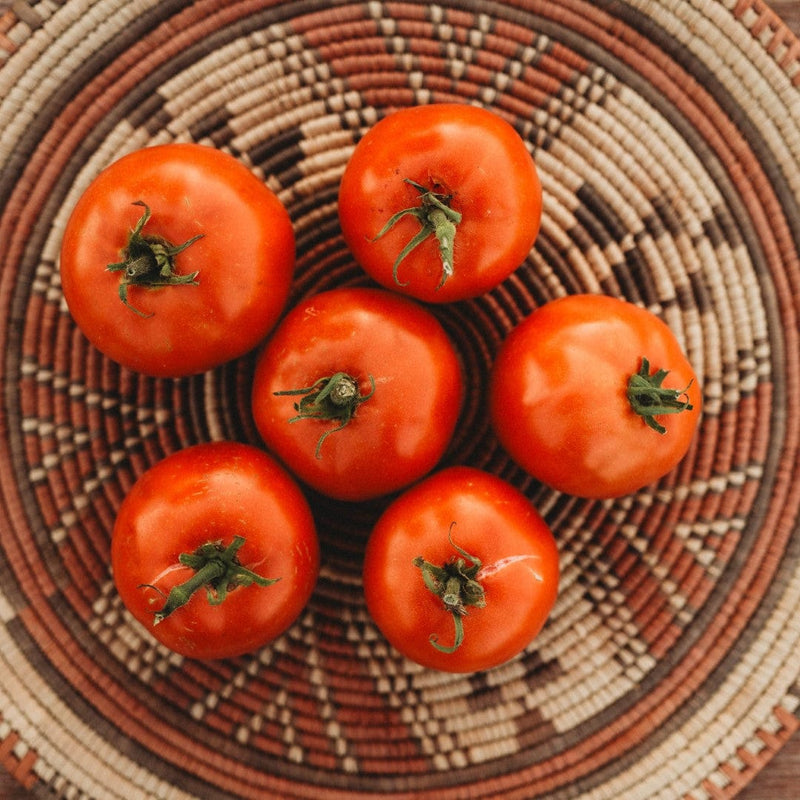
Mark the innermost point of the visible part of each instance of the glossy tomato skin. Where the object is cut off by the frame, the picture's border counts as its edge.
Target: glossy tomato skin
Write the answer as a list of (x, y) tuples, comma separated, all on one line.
[(558, 399), (467, 152), (206, 493), (245, 259), (396, 436), (492, 521)]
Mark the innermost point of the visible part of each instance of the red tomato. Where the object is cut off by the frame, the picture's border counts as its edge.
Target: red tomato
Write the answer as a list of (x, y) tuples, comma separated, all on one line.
[(227, 519), (358, 391), (593, 396), (441, 202), (461, 572), (177, 259)]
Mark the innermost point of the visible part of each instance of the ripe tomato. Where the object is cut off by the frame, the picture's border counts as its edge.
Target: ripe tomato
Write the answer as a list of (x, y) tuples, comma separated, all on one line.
[(177, 259), (593, 396), (214, 550), (441, 202), (358, 391), (460, 571)]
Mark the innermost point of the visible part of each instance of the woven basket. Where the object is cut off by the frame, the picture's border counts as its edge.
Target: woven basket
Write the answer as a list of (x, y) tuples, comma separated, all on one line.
[(667, 137)]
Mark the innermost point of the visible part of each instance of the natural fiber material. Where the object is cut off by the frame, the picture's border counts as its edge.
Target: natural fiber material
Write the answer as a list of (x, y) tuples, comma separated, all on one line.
[(667, 136)]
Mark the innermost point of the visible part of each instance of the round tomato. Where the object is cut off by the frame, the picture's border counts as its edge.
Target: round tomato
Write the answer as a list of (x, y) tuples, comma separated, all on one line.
[(176, 259), (441, 202), (358, 391), (593, 396), (460, 571), (214, 550)]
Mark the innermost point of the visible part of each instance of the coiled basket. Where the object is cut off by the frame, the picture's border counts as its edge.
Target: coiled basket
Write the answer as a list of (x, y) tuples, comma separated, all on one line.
[(667, 137)]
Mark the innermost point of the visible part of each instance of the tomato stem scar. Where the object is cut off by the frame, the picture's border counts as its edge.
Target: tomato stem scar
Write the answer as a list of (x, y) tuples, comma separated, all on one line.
[(149, 261), (332, 398), (435, 218), (216, 568), (648, 398), (455, 583)]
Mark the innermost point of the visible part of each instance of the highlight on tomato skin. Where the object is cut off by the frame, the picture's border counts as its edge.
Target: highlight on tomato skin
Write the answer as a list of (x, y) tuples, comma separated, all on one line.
[(441, 202), (214, 550), (176, 259), (460, 571), (593, 396)]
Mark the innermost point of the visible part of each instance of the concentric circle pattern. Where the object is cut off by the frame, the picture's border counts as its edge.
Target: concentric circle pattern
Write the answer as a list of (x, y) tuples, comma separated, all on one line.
[(667, 136)]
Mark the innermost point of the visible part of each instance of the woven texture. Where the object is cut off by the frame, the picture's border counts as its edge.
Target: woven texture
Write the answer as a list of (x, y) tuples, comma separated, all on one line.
[(667, 137)]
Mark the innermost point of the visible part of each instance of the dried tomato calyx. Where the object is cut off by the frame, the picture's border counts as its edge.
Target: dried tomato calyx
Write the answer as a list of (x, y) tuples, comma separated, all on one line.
[(436, 218), (649, 399), (456, 584), (332, 398), (149, 261), (217, 569)]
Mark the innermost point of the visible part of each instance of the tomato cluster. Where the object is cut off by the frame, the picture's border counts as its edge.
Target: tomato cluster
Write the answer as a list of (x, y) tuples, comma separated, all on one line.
[(177, 259)]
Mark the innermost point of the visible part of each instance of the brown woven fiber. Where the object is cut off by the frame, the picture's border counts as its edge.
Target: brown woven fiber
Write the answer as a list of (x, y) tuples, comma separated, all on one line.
[(667, 137)]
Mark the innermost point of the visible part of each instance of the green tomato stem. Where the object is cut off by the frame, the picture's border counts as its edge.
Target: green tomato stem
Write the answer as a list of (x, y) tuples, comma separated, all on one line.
[(217, 569), (455, 583), (149, 261), (332, 398), (649, 399), (436, 218)]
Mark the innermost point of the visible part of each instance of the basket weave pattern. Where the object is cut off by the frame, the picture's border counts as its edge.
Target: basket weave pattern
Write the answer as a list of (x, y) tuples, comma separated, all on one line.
[(667, 137)]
